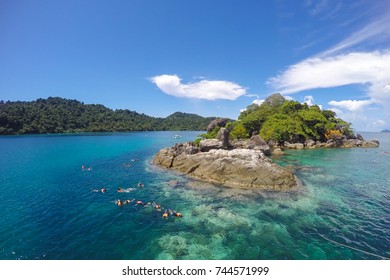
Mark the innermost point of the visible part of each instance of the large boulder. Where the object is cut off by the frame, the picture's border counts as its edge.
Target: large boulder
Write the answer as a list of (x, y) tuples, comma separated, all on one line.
[(370, 144), (257, 143), (310, 144), (289, 145), (206, 145), (223, 136), (221, 122), (240, 168)]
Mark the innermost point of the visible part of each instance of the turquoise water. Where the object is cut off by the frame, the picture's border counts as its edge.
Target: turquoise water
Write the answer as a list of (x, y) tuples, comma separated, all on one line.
[(49, 209)]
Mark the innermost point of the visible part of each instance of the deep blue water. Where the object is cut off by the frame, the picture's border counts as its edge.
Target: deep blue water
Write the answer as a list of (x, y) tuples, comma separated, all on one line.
[(49, 209)]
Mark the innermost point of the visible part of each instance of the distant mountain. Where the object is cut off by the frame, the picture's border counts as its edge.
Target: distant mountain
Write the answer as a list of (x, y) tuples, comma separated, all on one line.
[(60, 115), (386, 130), (185, 121)]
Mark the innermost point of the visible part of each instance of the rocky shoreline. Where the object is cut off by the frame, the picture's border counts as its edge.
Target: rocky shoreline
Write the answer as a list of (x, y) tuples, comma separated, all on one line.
[(341, 142), (242, 163), (217, 161)]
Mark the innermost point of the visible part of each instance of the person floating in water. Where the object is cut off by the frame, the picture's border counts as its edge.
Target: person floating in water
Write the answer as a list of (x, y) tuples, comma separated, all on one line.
[(156, 206), (103, 190), (139, 202), (125, 190), (119, 202), (140, 185), (177, 214)]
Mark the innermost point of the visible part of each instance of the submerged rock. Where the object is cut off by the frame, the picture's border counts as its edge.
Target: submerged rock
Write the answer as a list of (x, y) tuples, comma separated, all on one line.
[(240, 168)]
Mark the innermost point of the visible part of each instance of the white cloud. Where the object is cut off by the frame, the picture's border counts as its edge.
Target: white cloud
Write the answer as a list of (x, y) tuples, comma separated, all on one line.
[(258, 101), (351, 105), (252, 95), (371, 68), (204, 89), (341, 65), (309, 100), (379, 123)]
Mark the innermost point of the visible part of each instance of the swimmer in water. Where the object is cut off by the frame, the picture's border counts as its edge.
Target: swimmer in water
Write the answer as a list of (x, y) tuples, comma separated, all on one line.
[(103, 190), (119, 202), (120, 189), (139, 202), (165, 215), (140, 185), (157, 206), (178, 214)]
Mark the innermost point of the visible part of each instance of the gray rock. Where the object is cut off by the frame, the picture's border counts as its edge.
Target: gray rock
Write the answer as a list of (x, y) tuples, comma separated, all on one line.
[(289, 145), (329, 144), (223, 136), (257, 143), (239, 144), (210, 144), (240, 168), (277, 152), (221, 122), (359, 137), (310, 144), (370, 144)]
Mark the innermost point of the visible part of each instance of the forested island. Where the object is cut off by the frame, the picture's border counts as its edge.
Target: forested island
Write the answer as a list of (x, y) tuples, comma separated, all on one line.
[(278, 120), (234, 153), (59, 115)]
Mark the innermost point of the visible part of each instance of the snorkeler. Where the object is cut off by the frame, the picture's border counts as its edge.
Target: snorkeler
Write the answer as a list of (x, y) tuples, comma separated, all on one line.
[(157, 206), (140, 185), (177, 214), (119, 202), (139, 202)]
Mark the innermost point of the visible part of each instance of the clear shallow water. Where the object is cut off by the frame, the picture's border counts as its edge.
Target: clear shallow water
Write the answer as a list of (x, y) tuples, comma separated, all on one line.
[(50, 211)]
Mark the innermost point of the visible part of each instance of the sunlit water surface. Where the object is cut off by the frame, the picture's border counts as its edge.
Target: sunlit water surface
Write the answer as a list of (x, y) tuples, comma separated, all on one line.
[(50, 209)]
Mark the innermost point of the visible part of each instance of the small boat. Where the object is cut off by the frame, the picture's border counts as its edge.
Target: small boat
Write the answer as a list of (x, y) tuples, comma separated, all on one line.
[(176, 137)]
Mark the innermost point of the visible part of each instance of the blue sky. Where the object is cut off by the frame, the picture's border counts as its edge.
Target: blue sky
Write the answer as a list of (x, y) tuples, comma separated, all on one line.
[(212, 58)]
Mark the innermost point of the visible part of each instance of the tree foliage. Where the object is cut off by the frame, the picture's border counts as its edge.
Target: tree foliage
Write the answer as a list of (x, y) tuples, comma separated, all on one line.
[(282, 120), (59, 115)]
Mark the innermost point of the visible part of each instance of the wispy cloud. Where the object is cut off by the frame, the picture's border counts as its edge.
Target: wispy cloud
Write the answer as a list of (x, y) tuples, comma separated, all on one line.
[(377, 31), (204, 89), (371, 68), (362, 58), (316, 7), (351, 105)]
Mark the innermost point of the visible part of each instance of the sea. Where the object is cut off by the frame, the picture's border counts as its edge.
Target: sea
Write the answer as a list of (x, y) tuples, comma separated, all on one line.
[(53, 209)]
